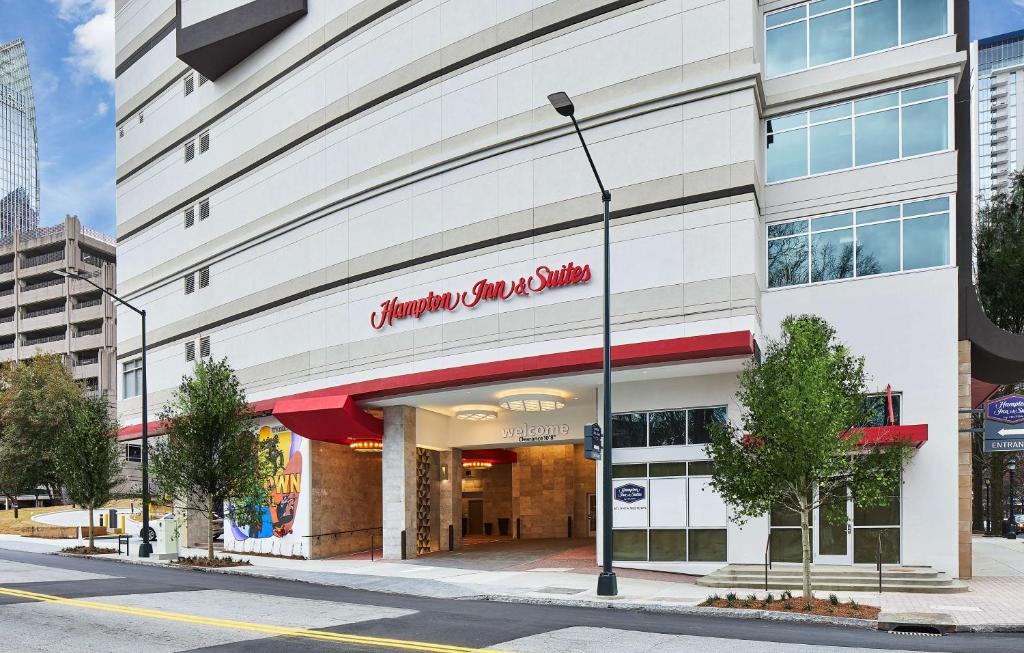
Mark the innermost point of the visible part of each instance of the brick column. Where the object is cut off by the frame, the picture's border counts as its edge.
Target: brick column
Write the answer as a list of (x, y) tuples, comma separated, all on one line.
[(450, 503), (398, 481), (965, 455)]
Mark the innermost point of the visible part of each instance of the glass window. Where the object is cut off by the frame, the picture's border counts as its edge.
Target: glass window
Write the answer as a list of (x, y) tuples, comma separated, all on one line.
[(832, 222), (701, 468), (829, 37), (923, 207), (887, 101), (787, 155), (638, 470), (668, 427), (885, 515), (875, 26), (131, 378), (866, 542), (629, 544), (786, 545), (867, 216), (782, 516), (786, 48), (787, 261), (926, 242), (668, 545), (629, 430), (925, 127), (832, 255), (938, 89), (878, 248), (707, 545), (791, 228), (668, 469), (831, 146), (700, 419), (923, 19), (877, 137)]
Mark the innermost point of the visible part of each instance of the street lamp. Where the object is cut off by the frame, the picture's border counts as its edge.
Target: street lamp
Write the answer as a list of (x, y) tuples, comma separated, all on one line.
[(1012, 532), (988, 506), (145, 549), (607, 585)]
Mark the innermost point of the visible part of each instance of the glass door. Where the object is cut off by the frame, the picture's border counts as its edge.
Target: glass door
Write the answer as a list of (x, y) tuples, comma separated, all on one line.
[(833, 544), (591, 514)]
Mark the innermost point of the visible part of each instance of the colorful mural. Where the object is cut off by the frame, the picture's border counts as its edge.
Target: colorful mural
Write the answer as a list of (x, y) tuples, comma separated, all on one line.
[(279, 517)]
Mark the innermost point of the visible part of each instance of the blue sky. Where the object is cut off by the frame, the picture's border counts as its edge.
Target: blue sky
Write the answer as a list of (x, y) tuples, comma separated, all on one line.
[(71, 53)]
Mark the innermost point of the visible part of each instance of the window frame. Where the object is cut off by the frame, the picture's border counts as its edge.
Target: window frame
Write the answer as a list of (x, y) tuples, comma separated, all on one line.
[(900, 219), (647, 425), (136, 373), (899, 107), (806, 19), (128, 455)]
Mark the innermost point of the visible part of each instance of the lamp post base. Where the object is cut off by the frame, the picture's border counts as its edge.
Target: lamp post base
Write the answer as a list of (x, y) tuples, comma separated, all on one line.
[(145, 550), (607, 584)]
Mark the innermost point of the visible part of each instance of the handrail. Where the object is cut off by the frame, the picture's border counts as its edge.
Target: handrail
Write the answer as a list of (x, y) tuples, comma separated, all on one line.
[(373, 529), (878, 557), (767, 557)]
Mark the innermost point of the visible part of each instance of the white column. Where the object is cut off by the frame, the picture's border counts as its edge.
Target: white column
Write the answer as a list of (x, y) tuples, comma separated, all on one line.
[(398, 471)]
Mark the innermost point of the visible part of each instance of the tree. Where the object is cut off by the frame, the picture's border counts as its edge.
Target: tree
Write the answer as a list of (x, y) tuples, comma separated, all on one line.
[(36, 398), (799, 447), (89, 457), (210, 450), (999, 245)]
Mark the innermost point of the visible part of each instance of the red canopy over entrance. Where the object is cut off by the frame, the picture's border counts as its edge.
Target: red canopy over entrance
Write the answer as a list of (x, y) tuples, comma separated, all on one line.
[(334, 418)]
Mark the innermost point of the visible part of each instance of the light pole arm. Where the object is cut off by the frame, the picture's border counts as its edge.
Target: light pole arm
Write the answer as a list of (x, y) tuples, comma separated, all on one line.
[(605, 195), (106, 292)]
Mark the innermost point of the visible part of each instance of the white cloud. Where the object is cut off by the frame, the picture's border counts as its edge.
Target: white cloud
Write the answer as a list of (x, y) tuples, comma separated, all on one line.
[(92, 51), (102, 108)]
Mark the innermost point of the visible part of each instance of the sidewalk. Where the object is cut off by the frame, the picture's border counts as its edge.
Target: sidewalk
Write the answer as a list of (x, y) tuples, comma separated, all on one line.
[(993, 602)]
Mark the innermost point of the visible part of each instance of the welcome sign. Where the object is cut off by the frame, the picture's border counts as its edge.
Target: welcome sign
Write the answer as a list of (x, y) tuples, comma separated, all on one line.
[(485, 290)]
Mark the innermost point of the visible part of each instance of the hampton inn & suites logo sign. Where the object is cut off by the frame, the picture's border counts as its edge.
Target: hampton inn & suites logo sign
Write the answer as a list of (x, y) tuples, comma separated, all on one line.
[(544, 278)]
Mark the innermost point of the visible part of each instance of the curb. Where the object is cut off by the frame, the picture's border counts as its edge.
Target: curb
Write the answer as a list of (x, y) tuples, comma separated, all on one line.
[(636, 606)]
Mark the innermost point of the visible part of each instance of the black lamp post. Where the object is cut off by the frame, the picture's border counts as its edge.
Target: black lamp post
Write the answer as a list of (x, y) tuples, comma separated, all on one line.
[(607, 585), (145, 548), (988, 506), (1012, 529)]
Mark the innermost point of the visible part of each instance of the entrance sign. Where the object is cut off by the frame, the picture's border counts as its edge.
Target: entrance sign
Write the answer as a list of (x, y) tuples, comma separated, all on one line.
[(630, 508), (1004, 424), (535, 433), (543, 278)]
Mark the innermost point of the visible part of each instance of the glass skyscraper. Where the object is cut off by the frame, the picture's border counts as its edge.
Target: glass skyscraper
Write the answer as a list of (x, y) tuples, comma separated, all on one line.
[(19, 143)]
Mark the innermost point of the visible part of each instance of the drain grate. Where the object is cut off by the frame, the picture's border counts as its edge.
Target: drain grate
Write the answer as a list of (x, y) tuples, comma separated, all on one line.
[(920, 631)]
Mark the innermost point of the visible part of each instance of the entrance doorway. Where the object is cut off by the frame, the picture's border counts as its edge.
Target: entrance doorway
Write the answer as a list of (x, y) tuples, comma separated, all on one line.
[(476, 517), (591, 514), (834, 542)]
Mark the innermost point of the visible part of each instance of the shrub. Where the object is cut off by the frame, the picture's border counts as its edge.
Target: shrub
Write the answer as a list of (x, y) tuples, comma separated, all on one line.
[(787, 605), (768, 599), (787, 595), (731, 596), (833, 599)]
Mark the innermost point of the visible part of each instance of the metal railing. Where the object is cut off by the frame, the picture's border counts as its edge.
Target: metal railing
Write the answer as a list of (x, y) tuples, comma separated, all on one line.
[(28, 342), (89, 332), (767, 558), (7, 291), (44, 311), (98, 235), (45, 283), (6, 345), (6, 318), (89, 302), (82, 362), (7, 267), (39, 232), (43, 259), (372, 530)]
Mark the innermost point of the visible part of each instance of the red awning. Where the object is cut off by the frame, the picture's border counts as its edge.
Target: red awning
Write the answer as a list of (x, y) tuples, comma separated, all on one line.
[(334, 418), (912, 434)]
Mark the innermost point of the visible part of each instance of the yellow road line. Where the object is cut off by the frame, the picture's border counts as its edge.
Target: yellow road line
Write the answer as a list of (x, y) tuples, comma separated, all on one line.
[(281, 631)]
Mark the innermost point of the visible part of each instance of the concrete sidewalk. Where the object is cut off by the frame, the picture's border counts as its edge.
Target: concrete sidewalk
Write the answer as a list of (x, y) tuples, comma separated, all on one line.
[(993, 602)]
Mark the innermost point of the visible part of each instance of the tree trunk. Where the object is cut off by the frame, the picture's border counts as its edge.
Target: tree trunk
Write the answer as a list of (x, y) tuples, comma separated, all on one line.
[(91, 540), (15, 502), (805, 545), (209, 529)]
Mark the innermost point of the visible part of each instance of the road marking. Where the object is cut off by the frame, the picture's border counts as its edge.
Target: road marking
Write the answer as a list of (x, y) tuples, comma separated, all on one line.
[(406, 645)]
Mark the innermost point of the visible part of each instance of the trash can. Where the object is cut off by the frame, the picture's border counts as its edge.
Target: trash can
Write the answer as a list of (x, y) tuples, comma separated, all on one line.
[(166, 545), (488, 528), (503, 523)]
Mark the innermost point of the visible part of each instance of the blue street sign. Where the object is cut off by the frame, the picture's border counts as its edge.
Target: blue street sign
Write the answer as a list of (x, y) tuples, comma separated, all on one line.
[(1004, 424)]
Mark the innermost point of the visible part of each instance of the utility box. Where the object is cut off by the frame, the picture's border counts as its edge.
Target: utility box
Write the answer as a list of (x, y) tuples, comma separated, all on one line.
[(112, 518), (166, 545)]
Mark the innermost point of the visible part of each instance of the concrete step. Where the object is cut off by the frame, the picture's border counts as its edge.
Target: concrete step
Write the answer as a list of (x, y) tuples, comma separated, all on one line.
[(954, 588), (835, 578), (868, 580)]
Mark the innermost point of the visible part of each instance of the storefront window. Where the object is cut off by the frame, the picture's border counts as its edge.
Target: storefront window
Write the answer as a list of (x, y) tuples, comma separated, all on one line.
[(885, 515), (668, 428), (699, 421), (629, 545), (860, 133), (867, 540), (667, 469), (786, 545), (826, 31), (877, 409), (701, 468), (668, 545), (707, 545), (629, 430), (907, 236), (629, 471)]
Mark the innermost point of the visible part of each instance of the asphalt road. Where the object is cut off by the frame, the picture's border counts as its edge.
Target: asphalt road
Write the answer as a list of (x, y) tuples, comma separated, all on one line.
[(53, 603)]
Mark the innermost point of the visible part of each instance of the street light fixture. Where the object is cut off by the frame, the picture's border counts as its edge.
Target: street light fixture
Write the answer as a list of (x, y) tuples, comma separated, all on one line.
[(607, 585), (145, 548), (1012, 531)]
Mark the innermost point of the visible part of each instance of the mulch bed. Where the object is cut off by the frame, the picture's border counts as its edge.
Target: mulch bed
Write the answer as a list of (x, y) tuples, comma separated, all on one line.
[(796, 605), (203, 561), (87, 551)]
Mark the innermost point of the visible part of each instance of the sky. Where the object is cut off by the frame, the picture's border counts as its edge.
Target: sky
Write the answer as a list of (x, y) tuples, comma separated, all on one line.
[(71, 55)]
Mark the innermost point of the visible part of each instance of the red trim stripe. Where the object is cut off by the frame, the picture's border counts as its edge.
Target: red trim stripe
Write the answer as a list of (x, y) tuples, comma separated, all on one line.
[(673, 350)]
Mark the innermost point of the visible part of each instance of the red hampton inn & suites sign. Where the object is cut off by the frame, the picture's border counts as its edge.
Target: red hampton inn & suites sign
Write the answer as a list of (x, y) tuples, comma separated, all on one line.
[(543, 278)]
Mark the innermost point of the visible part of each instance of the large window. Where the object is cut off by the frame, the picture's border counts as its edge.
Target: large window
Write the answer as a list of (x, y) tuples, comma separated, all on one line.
[(880, 128), (665, 427), (131, 378), (678, 517), (907, 236), (825, 31)]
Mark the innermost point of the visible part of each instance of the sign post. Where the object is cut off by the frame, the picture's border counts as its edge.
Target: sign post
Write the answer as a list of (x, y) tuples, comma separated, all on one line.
[(1004, 424)]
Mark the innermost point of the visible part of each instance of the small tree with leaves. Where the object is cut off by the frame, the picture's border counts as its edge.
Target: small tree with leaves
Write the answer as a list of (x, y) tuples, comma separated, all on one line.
[(799, 447), (88, 456), (37, 397), (999, 244), (210, 450)]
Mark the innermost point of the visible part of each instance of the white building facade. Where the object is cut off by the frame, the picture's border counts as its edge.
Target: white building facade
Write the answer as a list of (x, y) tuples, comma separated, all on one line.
[(380, 222)]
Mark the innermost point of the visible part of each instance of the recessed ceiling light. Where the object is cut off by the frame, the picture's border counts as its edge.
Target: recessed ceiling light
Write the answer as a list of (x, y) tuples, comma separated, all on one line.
[(532, 401), (476, 413)]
